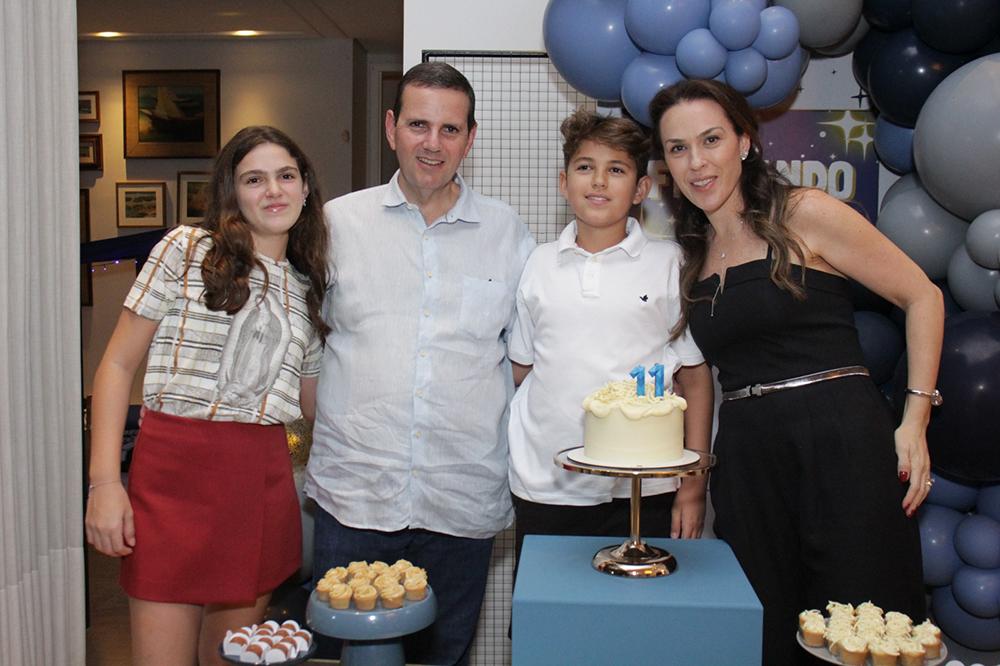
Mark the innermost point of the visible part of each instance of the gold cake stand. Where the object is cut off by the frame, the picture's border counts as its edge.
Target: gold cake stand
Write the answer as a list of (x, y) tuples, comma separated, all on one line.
[(635, 558)]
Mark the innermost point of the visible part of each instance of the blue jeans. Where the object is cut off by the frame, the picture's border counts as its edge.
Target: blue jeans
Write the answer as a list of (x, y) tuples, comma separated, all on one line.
[(457, 568)]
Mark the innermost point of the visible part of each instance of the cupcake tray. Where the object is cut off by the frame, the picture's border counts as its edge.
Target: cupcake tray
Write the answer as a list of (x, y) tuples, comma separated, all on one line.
[(300, 659), (824, 654)]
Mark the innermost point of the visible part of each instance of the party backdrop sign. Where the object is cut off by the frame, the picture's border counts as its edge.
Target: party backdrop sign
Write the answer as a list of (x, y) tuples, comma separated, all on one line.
[(831, 150)]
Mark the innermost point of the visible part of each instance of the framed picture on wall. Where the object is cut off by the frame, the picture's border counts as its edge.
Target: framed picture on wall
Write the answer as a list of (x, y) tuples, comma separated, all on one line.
[(86, 279), (171, 113), (192, 196), (140, 203), (91, 152), (90, 106)]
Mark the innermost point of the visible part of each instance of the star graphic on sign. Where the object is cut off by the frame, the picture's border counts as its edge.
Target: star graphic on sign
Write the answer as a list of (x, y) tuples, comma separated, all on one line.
[(861, 96), (853, 130)]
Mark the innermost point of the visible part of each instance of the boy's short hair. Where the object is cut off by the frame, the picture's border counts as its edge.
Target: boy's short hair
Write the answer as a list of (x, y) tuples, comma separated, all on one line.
[(618, 133)]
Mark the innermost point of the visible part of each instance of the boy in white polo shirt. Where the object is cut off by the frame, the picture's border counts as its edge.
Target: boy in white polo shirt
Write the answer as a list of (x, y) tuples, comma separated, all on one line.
[(591, 306)]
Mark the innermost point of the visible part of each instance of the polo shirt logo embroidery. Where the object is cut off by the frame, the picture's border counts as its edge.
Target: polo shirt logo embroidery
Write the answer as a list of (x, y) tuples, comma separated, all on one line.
[(644, 298)]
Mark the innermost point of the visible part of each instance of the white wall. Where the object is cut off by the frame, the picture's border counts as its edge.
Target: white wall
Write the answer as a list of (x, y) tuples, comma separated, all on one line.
[(472, 25), (300, 86)]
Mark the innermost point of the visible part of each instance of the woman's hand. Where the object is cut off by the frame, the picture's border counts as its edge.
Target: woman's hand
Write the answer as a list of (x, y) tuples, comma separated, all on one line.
[(913, 464), (109, 520)]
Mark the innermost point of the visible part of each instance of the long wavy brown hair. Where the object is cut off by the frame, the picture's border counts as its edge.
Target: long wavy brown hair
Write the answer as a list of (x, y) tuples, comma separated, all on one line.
[(227, 264), (766, 194)]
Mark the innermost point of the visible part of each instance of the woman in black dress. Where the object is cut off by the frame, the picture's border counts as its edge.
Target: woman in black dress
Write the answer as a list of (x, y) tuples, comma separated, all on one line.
[(815, 490)]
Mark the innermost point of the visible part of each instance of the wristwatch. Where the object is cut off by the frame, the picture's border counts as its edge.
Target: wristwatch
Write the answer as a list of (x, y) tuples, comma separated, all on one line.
[(936, 398)]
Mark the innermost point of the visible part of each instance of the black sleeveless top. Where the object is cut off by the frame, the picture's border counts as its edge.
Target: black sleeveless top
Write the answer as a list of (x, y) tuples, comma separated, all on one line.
[(755, 332)]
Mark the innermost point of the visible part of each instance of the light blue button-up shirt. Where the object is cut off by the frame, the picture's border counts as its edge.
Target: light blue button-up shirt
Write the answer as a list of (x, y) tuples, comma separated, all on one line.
[(411, 408)]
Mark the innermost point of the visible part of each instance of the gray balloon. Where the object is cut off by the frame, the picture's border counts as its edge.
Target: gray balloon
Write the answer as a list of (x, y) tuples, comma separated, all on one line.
[(996, 293), (845, 46), (956, 143), (982, 240), (823, 24), (902, 184), (972, 286), (925, 231)]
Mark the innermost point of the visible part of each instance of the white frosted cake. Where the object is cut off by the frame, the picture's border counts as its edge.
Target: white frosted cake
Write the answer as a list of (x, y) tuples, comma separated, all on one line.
[(624, 429)]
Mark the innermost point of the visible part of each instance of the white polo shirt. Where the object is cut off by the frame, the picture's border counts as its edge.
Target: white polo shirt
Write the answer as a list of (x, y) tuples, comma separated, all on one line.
[(582, 320)]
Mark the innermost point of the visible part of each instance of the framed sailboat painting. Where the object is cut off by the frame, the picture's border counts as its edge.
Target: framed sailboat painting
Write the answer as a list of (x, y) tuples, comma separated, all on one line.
[(171, 113)]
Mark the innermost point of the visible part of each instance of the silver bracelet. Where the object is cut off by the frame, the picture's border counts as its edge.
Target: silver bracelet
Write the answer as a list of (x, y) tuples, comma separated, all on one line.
[(936, 398)]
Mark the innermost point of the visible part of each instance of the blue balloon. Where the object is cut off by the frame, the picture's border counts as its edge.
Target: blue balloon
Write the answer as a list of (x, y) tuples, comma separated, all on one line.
[(964, 432), (735, 23), (977, 591), (782, 79), (658, 26), (937, 543), (587, 42), (881, 343), (977, 541), (758, 4), (974, 632), (643, 79), (746, 70), (888, 14), (894, 145), (866, 51), (700, 55), (779, 33), (905, 73), (952, 494), (956, 27), (988, 502)]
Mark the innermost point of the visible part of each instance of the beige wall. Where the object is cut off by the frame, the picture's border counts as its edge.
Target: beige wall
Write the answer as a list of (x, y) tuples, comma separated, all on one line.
[(304, 87)]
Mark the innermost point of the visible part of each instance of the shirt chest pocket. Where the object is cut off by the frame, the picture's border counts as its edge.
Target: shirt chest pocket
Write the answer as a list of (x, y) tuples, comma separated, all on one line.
[(486, 307)]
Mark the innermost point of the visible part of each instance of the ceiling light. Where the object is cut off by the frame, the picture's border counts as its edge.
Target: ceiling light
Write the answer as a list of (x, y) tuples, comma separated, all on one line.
[(245, 33), (108, 34)]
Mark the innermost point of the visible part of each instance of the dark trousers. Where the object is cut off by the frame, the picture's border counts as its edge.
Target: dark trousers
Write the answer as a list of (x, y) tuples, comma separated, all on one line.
[(609, 519), (456, 567), (806, 494)]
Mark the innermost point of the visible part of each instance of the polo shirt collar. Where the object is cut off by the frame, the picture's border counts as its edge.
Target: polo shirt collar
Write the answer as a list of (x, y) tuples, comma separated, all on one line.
[(632, 244), (465, 208)]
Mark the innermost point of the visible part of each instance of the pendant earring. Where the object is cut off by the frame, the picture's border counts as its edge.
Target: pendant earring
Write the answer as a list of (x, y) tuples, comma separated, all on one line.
[(743, 155)]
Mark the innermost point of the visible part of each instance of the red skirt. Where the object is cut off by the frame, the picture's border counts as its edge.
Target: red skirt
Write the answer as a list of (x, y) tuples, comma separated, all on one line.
[(216, 512)]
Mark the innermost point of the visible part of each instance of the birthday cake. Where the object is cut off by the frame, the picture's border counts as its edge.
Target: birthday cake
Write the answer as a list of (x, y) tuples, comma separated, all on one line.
[(622, 428)]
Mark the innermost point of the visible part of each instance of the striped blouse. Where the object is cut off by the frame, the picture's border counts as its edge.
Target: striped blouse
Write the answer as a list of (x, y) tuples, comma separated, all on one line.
[(206, 364)]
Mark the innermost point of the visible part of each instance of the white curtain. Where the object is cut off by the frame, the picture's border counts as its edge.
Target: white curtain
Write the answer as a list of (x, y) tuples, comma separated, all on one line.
[(41, 549)]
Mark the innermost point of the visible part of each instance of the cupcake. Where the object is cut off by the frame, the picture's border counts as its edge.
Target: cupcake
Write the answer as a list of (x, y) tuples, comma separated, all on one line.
[(280, 653), (415, 587), (853, 651), (927, 628), (364, 597), (834, 608), (323, 588), (391, 596), (867, 608), (812, 632), (360, 580), (884, 652), (931, 645), (378, 567), (911, 653), (385, 580), (303, 639), (415, 571), (340, 596), (832, 636), (338, 574), (354, 568), (806, 614)]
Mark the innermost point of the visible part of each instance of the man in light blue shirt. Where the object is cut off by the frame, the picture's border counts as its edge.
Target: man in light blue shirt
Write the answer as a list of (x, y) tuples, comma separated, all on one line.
[(409, 455)]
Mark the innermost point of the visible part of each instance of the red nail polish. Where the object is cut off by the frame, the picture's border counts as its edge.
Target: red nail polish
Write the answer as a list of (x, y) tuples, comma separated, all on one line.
[(904, 476)]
